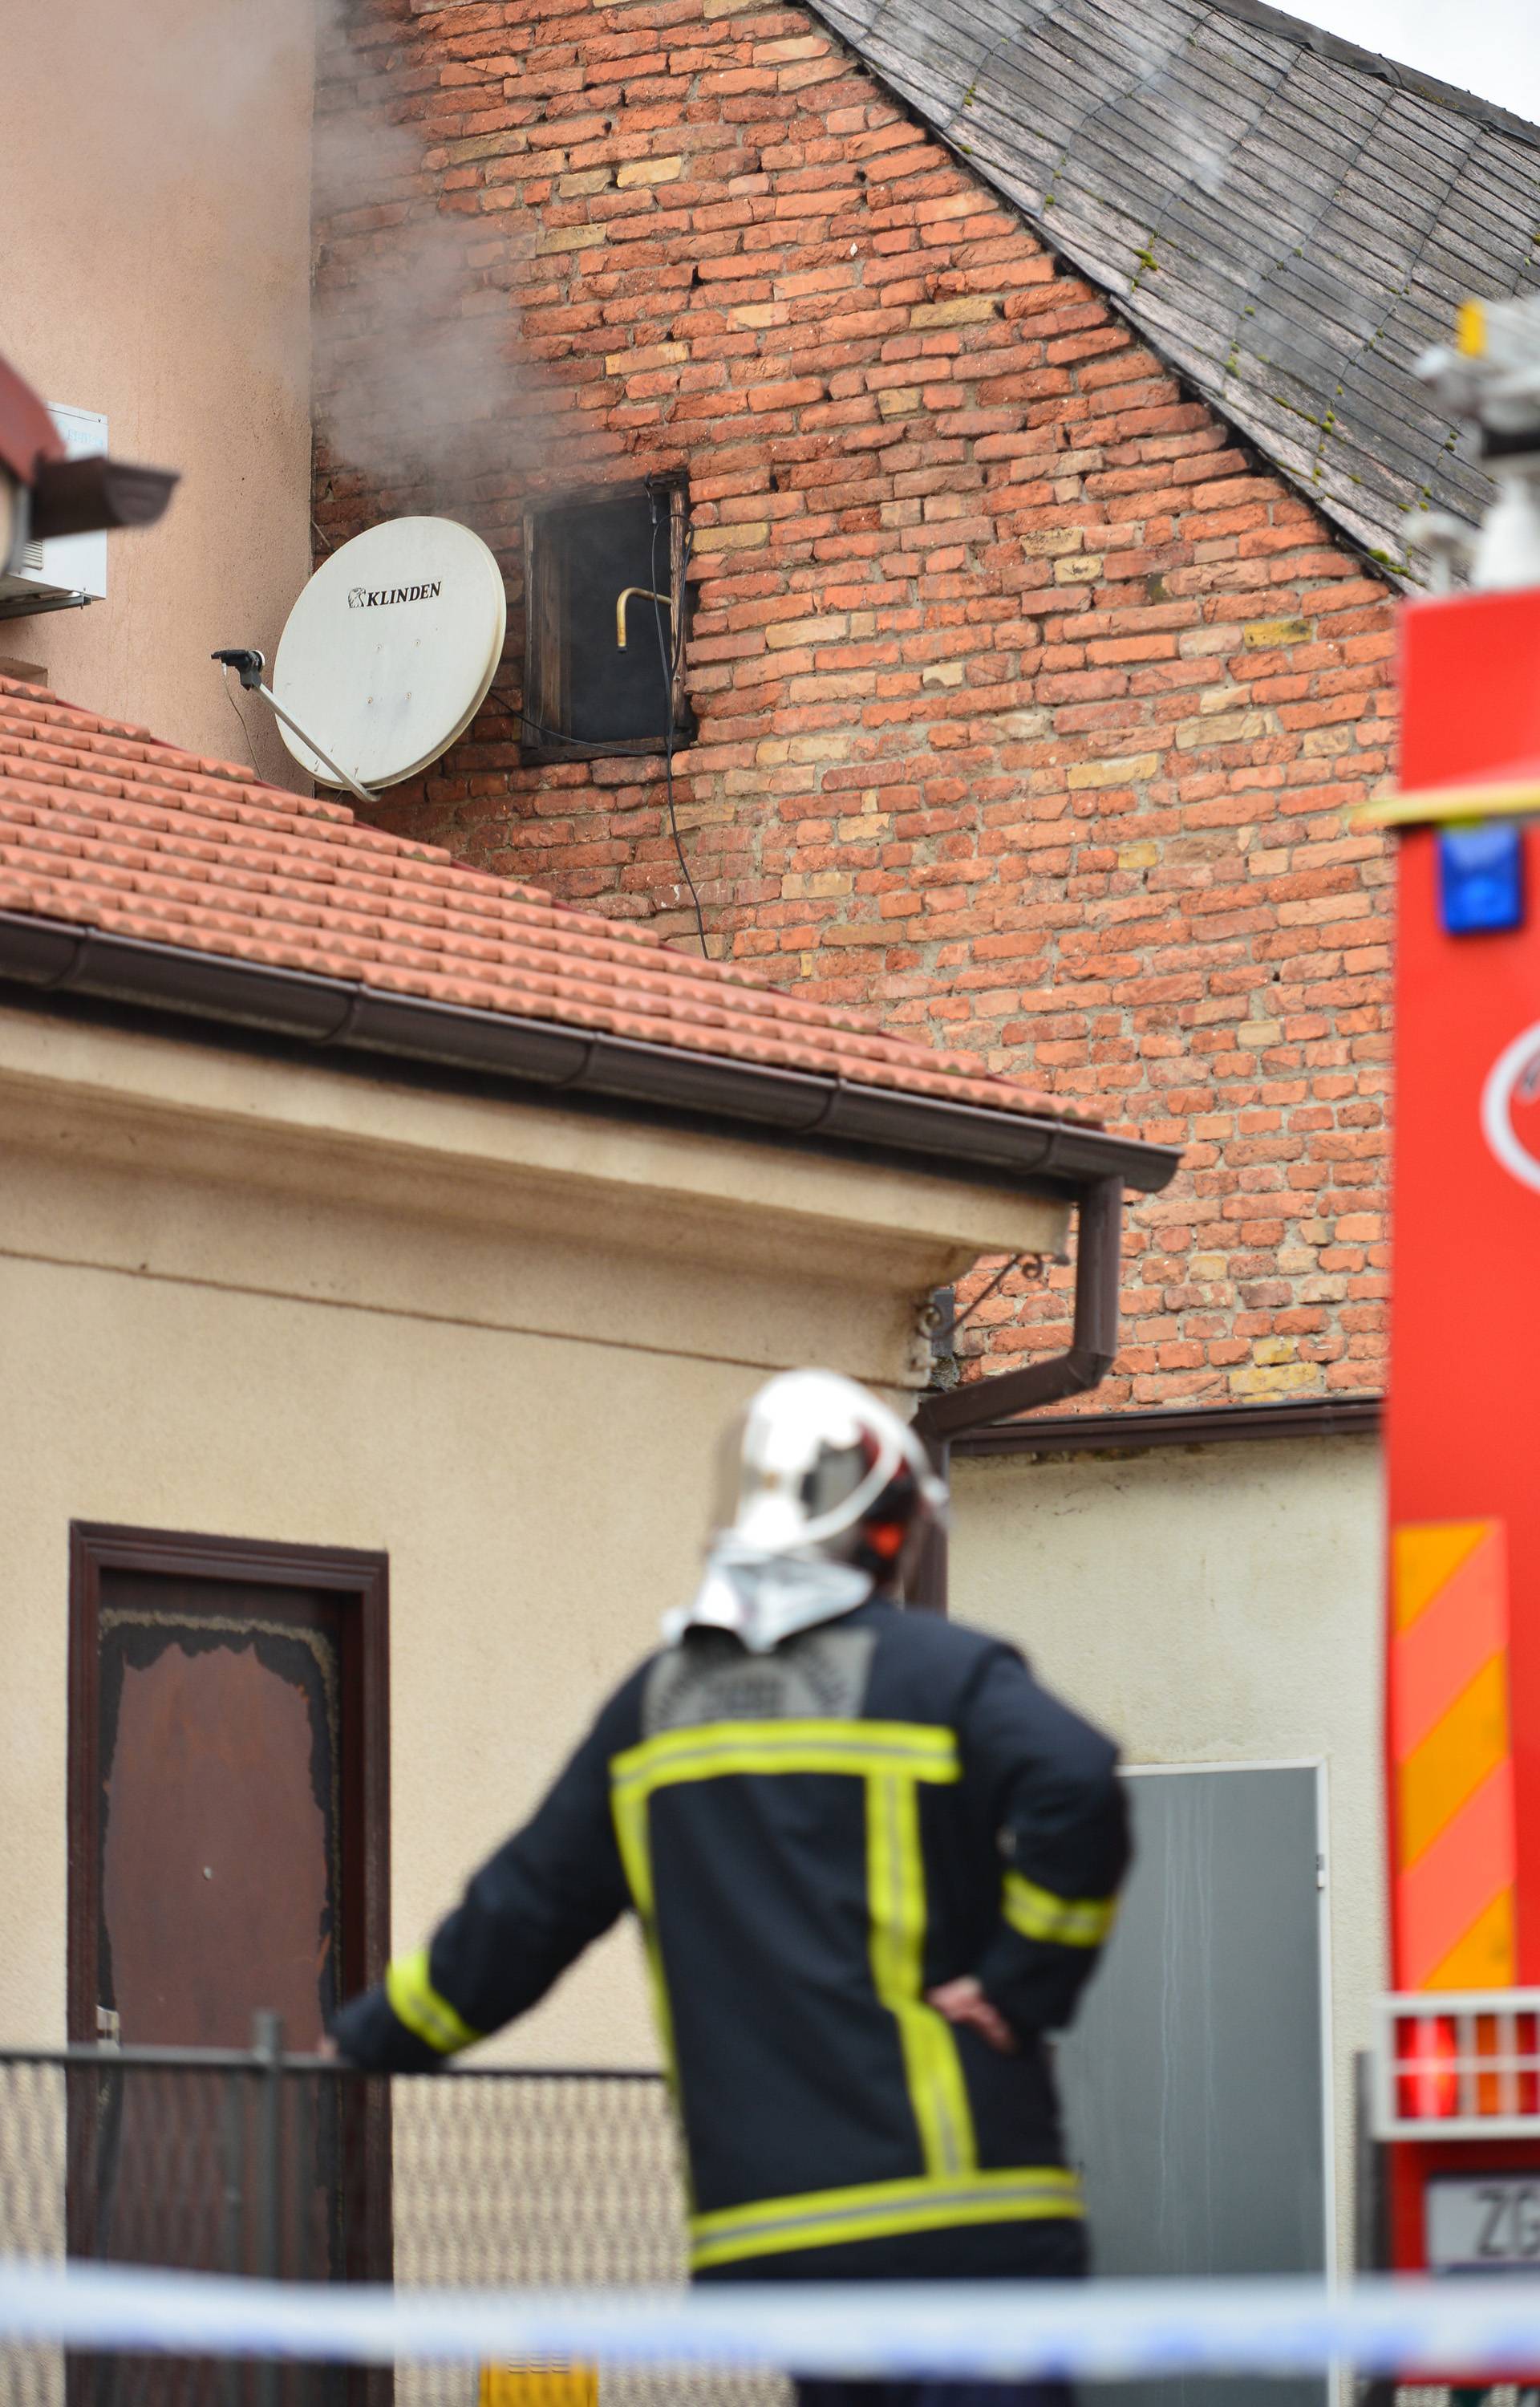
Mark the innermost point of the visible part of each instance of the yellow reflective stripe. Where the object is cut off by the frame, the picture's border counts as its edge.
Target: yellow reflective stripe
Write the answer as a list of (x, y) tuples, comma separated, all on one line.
[(714, 1750), (861, 1749), (880, 2210), (629, 1810), (1068, 1921), (414, 2002), (895, 1888)]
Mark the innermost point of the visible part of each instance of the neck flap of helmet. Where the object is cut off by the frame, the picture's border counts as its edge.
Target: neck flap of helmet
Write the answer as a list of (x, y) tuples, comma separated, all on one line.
[(764, 1597)]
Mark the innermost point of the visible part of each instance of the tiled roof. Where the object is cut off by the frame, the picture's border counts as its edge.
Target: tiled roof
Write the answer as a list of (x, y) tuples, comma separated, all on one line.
[(1289, 220), (104, 826)]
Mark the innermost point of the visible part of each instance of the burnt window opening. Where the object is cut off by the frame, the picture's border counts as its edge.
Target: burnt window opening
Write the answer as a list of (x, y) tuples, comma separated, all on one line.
[(605, 605)]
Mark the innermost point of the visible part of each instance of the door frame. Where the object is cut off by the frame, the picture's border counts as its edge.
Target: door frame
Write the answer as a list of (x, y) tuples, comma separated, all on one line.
[(362, 1582)]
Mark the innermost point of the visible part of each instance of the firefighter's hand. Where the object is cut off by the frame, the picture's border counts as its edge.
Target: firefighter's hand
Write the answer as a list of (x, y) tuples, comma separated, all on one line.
[(963, 2001)]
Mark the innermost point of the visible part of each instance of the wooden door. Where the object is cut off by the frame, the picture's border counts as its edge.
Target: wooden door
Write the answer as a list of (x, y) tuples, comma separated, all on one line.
[(228, 1854), (229, 1820)]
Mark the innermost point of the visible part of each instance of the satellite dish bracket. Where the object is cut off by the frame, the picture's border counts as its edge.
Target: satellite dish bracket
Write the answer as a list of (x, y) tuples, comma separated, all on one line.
[(249, 665)]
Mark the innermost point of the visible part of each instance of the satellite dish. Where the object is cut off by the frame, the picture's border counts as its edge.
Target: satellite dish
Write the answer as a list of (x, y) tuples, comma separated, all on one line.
[(390, 650)]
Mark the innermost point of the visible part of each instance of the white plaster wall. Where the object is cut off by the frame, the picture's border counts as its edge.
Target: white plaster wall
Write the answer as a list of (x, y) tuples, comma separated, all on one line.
[(156, 221), (1216, 1604), (496, 1342), (522, 1583)]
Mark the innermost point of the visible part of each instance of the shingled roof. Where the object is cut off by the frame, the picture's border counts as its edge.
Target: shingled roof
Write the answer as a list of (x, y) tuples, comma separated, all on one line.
[(103, 827), (1289, 220)]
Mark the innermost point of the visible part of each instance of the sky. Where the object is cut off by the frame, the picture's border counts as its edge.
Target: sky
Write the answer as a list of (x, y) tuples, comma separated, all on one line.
[(1491, 47)]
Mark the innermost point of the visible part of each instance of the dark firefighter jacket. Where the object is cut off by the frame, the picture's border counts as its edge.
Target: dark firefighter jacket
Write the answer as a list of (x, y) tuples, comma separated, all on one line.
[(811, 1839)]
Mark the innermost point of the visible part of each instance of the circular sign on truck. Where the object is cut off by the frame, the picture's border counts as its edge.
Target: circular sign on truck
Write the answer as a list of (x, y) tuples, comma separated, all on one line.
[(1509, 1121), (391, 648)]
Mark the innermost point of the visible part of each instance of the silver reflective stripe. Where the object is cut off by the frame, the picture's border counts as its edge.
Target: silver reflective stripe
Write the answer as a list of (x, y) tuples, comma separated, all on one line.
[(825, 2218), (939, 2199)]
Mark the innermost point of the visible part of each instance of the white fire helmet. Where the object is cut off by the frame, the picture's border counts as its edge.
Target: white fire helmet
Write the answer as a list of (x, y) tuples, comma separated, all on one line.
[(823, 1495)]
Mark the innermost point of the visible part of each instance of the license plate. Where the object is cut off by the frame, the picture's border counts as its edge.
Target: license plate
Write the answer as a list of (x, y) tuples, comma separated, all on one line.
[(1488, 2225)]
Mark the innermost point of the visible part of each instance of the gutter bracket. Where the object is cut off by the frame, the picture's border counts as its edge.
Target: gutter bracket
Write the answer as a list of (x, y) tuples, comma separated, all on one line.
[(84, 937), (1092, 1349)]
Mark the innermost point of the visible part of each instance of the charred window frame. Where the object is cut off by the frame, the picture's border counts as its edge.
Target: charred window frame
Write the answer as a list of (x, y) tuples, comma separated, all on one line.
[(586, 555)]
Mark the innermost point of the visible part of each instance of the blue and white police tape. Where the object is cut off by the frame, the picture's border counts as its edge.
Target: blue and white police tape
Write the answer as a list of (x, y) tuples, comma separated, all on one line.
[(981, 2331)]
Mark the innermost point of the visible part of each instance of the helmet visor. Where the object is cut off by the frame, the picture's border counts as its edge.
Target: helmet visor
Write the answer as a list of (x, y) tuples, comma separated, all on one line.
[(783, 1479)]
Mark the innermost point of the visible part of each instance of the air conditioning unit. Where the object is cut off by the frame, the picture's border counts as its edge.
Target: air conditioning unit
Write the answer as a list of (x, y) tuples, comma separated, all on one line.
[(71, 569)]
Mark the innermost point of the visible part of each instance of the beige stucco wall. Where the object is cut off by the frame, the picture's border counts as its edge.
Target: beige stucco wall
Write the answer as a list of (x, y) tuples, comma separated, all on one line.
[(156, 183), (1217, 1605), (499, 1343)]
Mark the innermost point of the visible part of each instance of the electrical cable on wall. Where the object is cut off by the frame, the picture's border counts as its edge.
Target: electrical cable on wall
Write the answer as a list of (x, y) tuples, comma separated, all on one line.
[(671, 654), (580, 744), (244, 729), (538, 726)]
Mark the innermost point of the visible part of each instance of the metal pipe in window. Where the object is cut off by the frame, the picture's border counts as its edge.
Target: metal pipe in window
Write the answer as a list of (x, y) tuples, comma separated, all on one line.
[(637, 593)]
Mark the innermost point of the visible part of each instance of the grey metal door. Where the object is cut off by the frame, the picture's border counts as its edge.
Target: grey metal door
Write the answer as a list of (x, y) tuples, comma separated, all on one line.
[(1194, 2081)]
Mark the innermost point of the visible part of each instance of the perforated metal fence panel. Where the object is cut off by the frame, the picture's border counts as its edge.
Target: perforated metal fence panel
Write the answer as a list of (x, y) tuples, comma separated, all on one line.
[(225, 2163), (1195, 2080)]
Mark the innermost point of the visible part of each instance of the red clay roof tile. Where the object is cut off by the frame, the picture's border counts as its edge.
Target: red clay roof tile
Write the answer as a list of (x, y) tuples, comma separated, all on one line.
[(103, 825)]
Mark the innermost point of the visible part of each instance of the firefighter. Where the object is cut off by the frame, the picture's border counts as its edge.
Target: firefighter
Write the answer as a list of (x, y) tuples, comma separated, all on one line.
[(872, 1863)]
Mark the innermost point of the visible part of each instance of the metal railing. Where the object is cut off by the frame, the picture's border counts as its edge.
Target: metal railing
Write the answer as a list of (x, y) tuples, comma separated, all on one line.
[(259, 2162)]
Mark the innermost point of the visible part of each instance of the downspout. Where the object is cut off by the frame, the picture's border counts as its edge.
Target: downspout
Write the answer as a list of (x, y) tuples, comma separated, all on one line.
[(1093, 1345)]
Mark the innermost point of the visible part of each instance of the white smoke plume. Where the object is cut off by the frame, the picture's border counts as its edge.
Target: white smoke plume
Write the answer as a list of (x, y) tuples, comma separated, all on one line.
[(413, 321), (416, 380)]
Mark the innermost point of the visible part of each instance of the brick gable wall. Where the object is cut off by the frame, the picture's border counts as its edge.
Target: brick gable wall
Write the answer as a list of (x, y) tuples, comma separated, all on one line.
[(1029, 704)]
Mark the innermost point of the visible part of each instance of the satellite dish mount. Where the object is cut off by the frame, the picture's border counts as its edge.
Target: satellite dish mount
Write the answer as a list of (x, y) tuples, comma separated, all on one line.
[(248, 667)]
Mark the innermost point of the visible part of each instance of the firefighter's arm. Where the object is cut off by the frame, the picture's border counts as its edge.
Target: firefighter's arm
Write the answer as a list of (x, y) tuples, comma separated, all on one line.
[(548, 1891), (1047, 1784)]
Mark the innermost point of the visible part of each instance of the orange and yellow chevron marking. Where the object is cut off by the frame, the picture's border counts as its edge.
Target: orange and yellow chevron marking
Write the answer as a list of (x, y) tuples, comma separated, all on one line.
[(1453, 1758)]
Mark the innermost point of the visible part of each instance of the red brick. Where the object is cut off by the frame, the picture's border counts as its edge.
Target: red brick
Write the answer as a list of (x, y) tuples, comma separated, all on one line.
[(1034, 555)]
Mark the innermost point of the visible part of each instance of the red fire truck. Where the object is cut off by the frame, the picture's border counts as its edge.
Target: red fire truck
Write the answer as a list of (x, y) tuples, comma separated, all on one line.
[(1456, 2067)]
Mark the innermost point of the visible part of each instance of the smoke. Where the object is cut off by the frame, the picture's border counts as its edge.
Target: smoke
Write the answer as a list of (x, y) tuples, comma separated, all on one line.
[(412, 309), (418, 384), (412, 318)]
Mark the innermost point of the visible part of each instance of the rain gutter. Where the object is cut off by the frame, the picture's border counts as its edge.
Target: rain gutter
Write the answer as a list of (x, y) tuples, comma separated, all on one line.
[(960, 1141), (980, 1403), (1183, 1425), (47, 959)]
